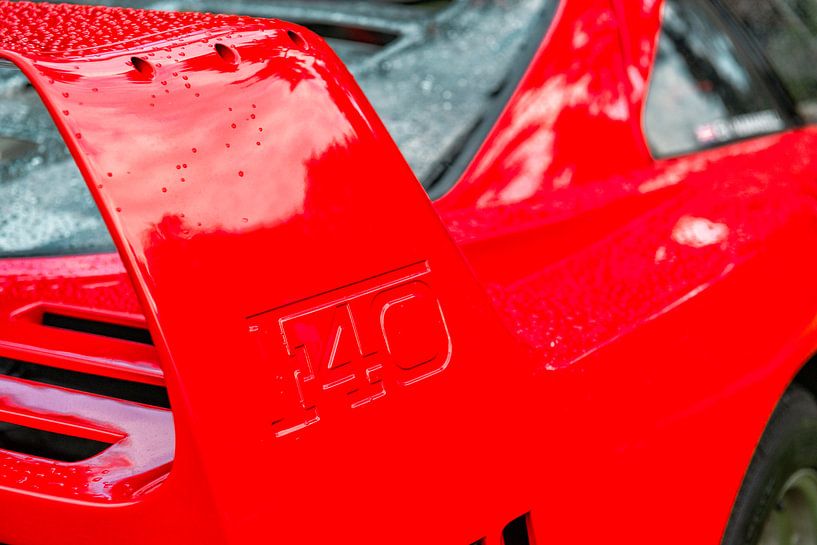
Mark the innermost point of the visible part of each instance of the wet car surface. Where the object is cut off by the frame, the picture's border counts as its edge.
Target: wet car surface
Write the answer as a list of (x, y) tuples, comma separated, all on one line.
[(436, 72)]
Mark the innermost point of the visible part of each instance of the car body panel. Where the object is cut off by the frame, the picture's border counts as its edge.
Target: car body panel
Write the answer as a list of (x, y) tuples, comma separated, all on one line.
[(576, 331)]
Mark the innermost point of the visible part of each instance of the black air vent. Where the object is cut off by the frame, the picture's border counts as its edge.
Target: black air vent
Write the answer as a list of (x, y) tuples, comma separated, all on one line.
[(516, 532), (46, 444), (147, 394), (96, 327), (351, 33)]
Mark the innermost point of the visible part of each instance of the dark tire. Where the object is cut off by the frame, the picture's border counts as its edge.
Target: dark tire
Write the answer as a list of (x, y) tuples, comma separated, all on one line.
[(771, 505)]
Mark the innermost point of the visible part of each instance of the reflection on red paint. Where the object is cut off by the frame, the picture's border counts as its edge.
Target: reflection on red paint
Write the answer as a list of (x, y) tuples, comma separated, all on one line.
[(594, 316)]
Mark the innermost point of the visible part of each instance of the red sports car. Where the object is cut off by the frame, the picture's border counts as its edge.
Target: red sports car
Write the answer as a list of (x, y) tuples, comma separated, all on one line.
[(433, 272)]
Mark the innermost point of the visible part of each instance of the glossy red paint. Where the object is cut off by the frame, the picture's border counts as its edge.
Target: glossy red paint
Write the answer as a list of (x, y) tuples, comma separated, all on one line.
[(576, 330)]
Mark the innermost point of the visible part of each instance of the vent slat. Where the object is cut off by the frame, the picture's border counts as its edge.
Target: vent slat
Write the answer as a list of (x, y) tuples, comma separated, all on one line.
[(98, 355)]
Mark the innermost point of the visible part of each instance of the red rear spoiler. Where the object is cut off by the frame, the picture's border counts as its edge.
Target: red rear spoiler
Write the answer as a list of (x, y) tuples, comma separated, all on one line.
[(329, 357)]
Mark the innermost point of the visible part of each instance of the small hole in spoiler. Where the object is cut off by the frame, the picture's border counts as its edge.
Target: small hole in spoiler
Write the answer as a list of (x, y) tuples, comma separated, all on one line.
[(143, 67), (295, 38), (228, 54)]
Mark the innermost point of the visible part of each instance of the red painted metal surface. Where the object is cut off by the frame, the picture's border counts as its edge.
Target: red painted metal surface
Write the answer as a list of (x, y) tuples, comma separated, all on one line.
[(576, 330)]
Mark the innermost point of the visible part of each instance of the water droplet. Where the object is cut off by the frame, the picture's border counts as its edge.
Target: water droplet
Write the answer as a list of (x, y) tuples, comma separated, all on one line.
[(232, 125), (227, 144), (65, 112), (164, 190), (110, 174), (241, 173), (65, 95), (258, 143), (194, 150), (244, 220), (184, 165), (178, 167)]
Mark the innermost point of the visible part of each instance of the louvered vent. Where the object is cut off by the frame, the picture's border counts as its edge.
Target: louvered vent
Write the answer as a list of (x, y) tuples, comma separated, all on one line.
[(83, 407)]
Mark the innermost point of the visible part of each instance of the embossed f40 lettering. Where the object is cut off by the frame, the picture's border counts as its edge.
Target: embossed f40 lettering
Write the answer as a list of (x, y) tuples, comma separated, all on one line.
[(351, 346)]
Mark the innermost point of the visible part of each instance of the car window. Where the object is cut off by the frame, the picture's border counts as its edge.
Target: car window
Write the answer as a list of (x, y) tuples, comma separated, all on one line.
[(702, 93), (45, 206), (786, 31)]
